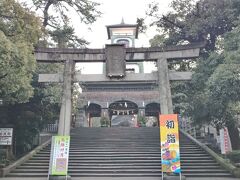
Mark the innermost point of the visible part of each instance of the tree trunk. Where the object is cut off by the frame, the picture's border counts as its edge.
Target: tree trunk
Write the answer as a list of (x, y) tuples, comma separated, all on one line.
[(234, 136)]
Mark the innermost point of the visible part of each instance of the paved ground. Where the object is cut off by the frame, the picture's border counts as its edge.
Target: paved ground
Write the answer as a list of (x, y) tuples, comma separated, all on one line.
[(120, 178)]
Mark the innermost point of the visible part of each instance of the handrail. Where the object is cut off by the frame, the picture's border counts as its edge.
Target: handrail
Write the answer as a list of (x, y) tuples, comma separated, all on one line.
[(225, 164)]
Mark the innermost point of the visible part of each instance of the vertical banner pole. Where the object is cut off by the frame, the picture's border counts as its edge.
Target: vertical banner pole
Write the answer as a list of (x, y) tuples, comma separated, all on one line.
[(51, 157)]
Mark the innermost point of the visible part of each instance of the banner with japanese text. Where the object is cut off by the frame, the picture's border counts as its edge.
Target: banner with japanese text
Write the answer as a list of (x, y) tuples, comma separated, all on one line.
[(6, 135), (225, 142), (169, 138), (59, 155)]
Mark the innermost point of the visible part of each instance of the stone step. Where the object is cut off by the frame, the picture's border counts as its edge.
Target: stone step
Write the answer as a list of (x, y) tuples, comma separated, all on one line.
[(120, 170), (125, 161), (121, 152), (122, 158), (73, 164), (114, 166), (138, 174), (144, 149), (42, 153)]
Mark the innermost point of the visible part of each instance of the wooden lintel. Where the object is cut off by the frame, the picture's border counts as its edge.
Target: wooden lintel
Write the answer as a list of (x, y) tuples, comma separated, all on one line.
[(43, 78), (142, 77)]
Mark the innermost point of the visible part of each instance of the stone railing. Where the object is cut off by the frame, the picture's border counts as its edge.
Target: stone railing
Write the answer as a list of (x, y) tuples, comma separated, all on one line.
[(51, 128), (4, 171), (223, 162), (186, 125)]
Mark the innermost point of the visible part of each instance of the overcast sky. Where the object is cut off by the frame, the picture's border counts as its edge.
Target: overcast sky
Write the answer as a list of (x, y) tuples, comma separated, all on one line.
[(113, 11)]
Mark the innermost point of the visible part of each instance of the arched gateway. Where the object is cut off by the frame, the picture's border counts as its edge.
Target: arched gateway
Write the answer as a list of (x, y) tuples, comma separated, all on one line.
[(123, 79)]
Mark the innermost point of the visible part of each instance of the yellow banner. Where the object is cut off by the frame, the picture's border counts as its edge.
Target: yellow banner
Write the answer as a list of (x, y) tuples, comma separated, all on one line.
[(169, 138)]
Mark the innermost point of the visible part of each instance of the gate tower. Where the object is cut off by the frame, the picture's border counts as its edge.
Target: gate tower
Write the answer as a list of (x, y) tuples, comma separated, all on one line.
[(119, 101)]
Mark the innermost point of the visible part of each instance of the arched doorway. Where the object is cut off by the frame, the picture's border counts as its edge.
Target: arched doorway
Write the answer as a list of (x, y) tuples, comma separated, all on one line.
[(93, 114), (123, 113), (152, 111)]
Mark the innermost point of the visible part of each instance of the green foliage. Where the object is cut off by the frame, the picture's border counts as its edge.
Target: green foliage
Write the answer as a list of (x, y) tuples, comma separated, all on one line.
[(29, 105), (188, 21), (234, 156), (3, 159), (179, 97), (215, 88), (141, 25), (56, 12), (18, 23), (141, 121), (158, 40), (212, 96), (56, 20), (64, 37), (19, 31)]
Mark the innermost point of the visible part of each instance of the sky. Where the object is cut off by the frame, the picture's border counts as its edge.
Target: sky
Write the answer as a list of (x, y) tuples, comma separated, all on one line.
[(112, 13)]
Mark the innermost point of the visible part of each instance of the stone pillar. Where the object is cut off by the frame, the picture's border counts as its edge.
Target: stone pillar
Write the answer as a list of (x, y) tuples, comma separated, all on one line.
[(89, 120), (66, 107), (81, 120), (105, 113), (164, 87), (141, 111)]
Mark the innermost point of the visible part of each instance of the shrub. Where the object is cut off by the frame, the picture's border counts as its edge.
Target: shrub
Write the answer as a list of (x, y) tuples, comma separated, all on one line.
[(234, 156)]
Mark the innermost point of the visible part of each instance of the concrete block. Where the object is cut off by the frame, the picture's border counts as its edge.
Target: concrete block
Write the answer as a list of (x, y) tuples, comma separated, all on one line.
[(169, 177), (59, 177)]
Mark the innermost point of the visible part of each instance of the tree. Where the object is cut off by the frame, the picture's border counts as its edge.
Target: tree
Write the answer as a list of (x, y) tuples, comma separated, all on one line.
[(214, 90), (223, 87), (57, 11), (19, 31), (56, 16), (64, 37), (206, 20), (212, 96)]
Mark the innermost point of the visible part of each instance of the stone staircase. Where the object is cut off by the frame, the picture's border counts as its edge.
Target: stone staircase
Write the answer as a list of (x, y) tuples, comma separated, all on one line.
[(122, 121), (121, 152)]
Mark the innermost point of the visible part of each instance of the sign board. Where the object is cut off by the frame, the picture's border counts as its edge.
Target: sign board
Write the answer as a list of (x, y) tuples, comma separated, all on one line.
[(225, 141), (115, 60), (59, 156), (6, 136), (169, 135)]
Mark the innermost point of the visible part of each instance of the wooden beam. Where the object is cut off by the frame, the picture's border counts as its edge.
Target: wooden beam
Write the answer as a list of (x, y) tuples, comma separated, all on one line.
[(132, 54), (153, 56), (50, 77), (142, 77)]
